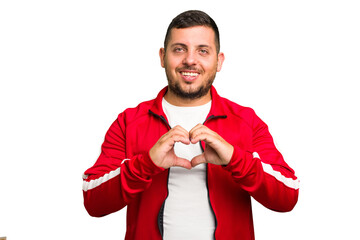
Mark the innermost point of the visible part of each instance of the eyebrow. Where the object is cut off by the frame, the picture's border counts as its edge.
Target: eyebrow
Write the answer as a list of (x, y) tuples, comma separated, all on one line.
[(178, 44), (204, 45), (184, 45)]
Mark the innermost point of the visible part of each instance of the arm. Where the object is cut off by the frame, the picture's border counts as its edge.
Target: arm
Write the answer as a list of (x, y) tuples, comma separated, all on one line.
[(114, 180), (263, 172)]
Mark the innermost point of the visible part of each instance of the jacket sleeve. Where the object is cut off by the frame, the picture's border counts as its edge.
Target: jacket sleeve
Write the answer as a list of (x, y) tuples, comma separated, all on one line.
[(115, 180), (262, 171)]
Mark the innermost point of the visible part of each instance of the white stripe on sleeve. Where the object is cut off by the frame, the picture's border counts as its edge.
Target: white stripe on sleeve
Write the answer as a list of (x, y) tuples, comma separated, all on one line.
[(289, 182), (88, 185), (97, 182)]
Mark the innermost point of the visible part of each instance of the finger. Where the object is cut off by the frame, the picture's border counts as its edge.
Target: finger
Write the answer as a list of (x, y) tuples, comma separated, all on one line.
[(178, 130), (198, 160), (196, 128), (200, 133), (178, 138), (207, 137), (181, 162)]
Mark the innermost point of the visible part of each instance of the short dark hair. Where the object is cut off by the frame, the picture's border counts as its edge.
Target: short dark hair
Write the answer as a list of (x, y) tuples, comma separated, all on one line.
[(193, 18)]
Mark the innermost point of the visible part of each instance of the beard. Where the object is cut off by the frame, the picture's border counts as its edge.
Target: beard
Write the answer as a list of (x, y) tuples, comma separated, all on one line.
[(191, 93)]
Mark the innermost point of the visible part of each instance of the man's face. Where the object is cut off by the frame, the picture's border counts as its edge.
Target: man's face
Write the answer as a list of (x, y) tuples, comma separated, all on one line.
[(191, 61)]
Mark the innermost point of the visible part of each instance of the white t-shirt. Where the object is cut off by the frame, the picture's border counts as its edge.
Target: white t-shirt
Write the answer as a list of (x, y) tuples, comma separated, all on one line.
[(187, 211)]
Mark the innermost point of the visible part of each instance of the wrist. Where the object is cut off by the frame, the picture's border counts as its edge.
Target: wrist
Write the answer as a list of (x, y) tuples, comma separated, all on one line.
[(229, 155)]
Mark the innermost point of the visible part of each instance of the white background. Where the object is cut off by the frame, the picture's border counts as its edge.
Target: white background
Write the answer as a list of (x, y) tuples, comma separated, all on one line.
[(67, 68)]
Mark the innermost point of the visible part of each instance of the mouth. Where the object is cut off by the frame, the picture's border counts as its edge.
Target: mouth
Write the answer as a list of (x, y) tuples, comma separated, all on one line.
[(189, 76)]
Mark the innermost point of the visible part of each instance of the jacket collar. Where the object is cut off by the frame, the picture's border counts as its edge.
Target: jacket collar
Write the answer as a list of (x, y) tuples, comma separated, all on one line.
[(217, 106)]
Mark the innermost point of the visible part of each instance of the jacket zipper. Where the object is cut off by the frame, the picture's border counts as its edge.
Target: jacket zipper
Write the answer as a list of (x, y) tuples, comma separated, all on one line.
[(162, 118), (161, 212), (207, 169)]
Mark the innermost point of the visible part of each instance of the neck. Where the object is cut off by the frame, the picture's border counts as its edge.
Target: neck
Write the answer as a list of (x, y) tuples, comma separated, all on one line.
[(174, 99)]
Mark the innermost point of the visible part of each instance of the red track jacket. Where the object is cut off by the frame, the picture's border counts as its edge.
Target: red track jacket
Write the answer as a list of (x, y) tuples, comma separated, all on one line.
[(124, 174)]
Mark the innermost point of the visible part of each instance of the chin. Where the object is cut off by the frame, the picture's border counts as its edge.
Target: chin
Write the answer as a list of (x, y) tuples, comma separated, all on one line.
[(189, 92)]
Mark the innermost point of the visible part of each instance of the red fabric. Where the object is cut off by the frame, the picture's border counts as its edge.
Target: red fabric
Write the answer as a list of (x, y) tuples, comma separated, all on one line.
[(142, 186)]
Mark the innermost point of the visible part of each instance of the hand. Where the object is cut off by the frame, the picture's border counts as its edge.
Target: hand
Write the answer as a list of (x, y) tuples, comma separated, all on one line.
[(217, 150), (162, 153)]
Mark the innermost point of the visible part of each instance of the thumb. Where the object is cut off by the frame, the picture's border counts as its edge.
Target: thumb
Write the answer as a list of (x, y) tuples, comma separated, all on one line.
[(182, 162), (198, 160)]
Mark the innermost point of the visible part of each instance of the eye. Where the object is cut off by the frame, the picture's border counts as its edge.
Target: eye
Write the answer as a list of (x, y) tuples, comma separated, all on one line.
[(179, 49), (204, 51)]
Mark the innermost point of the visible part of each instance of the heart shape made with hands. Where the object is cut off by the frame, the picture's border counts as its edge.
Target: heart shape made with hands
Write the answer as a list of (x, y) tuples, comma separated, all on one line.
[(217, 150)]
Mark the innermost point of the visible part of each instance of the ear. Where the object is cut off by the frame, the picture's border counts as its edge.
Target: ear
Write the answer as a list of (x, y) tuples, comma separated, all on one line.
[(162, 56), (221, 59)]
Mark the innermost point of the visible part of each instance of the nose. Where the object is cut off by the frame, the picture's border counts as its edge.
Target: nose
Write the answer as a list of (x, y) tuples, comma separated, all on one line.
[(190, 58)]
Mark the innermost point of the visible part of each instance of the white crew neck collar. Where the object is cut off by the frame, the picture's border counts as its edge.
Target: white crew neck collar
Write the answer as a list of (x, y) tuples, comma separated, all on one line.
[(206, 105)]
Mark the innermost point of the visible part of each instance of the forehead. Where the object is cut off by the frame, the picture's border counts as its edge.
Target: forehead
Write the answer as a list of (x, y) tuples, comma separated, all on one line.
[(198, 35)]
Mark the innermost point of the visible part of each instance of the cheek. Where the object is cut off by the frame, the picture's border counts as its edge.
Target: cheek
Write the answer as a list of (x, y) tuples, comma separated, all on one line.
[(211, 67), (175, 59), (170, 64)]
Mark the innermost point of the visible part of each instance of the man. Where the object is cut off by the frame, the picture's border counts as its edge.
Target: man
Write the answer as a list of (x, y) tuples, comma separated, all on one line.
[(186, 163)]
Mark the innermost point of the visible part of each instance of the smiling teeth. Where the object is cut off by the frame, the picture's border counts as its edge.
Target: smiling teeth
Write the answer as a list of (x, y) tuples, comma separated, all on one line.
[(189, 74)]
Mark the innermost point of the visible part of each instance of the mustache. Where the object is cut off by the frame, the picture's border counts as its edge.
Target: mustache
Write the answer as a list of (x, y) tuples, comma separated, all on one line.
[(189, 68)]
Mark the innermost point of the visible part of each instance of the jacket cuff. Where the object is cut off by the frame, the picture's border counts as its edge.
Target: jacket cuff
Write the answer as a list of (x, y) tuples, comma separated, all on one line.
[(236, 159), (143, 166)]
